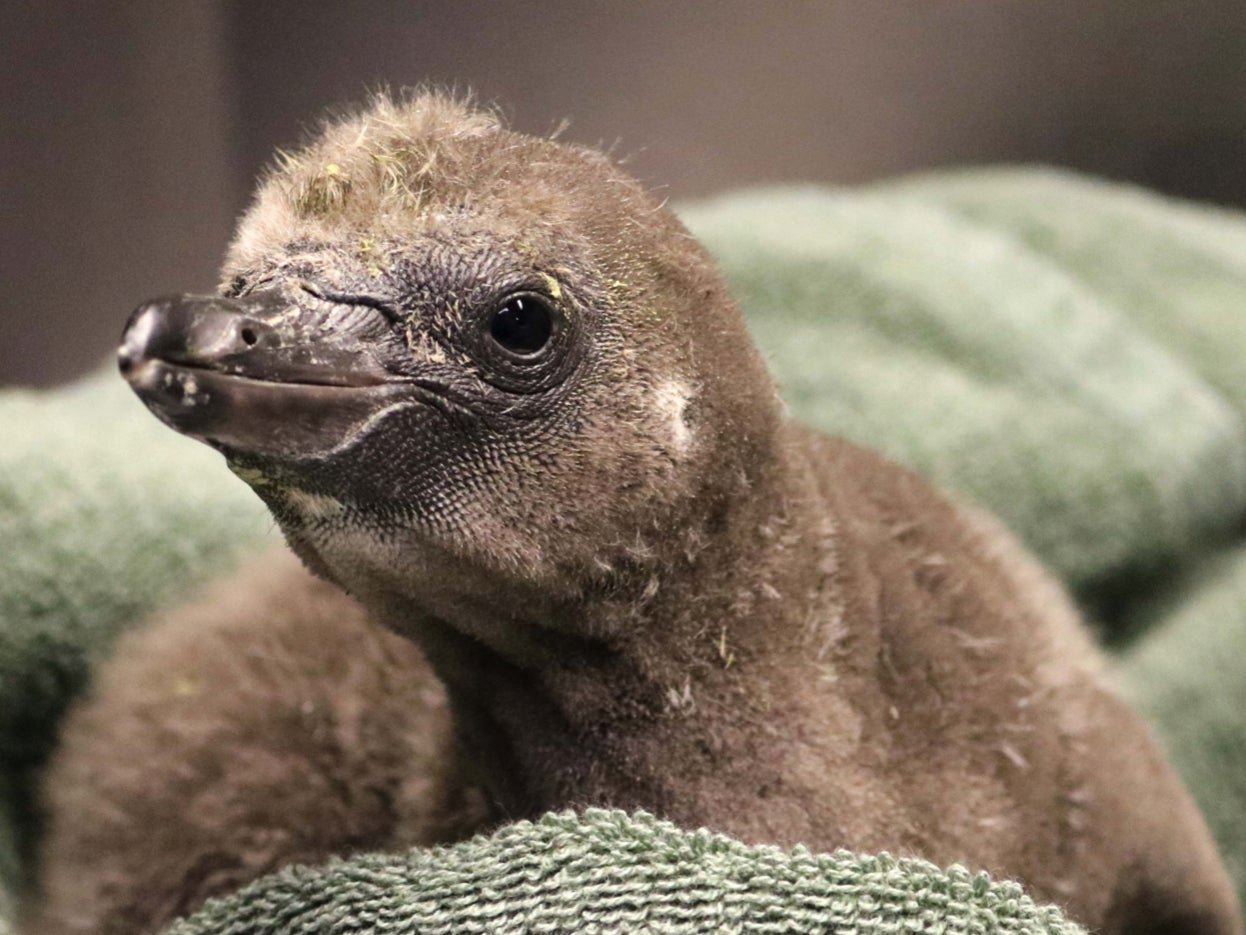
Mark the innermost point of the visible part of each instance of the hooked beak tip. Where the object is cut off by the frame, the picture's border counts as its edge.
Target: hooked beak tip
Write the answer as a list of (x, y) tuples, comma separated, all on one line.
[(136, 340)]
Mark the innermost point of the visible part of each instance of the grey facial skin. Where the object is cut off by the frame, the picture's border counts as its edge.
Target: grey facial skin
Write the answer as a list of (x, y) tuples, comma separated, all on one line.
[(496, 392)]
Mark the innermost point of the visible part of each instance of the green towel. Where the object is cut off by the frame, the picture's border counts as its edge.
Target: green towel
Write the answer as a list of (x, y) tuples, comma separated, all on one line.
[(1189, 674), (1061, 350), (1174, 269), (949, 343), (605, 873)]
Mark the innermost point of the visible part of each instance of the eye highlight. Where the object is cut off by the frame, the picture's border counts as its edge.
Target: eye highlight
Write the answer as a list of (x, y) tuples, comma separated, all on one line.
[(522, 324)]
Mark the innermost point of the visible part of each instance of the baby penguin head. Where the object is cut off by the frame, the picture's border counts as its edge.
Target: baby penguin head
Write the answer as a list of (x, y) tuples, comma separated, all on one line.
[(455, 339)]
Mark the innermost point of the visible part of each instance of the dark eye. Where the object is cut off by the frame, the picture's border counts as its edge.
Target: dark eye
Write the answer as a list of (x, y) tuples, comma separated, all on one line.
[(523, 324)]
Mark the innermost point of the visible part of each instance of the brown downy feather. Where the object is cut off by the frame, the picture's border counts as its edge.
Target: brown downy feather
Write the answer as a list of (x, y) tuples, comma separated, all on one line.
[(265, 723)]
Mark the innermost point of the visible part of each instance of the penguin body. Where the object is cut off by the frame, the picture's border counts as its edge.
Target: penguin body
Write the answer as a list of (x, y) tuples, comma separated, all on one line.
[(262, 723), (496, 392)]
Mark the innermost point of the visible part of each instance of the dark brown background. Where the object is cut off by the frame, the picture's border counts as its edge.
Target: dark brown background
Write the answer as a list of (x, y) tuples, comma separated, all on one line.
[(129, 131)]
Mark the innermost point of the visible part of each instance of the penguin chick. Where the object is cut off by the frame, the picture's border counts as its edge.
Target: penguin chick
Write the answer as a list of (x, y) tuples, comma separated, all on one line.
[(494, 390), (264, 724)]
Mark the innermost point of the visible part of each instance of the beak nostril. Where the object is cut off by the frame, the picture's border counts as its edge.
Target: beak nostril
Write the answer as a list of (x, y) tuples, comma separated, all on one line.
[(249, 337)]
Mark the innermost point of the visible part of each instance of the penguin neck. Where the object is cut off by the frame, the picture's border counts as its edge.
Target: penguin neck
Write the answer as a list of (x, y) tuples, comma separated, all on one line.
[(606, 699)]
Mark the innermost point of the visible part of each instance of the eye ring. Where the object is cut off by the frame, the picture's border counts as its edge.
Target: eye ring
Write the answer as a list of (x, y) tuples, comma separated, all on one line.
[(522, 324)]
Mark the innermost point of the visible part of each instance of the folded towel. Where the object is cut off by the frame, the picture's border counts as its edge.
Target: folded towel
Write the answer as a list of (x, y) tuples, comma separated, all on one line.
[(606, 872)]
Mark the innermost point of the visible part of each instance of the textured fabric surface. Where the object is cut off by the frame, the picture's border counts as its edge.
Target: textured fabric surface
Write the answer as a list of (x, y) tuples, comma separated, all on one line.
[(605, 872), (1064, 351), (895, 317)]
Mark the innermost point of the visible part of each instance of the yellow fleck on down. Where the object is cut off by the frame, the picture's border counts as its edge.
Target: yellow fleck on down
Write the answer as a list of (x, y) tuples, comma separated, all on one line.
[(555, 288)]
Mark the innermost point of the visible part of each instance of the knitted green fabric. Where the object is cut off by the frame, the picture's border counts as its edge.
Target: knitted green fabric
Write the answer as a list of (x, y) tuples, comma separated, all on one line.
[(605, 872), (1064, 351)]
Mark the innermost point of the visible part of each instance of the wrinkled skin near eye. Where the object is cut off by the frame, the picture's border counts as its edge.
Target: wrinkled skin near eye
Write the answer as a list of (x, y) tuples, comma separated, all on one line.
[(325, 383), (525, 345)]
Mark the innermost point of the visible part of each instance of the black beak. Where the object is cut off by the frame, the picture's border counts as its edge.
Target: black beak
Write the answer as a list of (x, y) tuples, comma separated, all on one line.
[(198, 332), (264, 374)]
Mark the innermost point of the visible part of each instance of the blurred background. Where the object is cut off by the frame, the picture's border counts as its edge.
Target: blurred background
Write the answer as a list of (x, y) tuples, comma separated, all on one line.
[(130, 131)]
